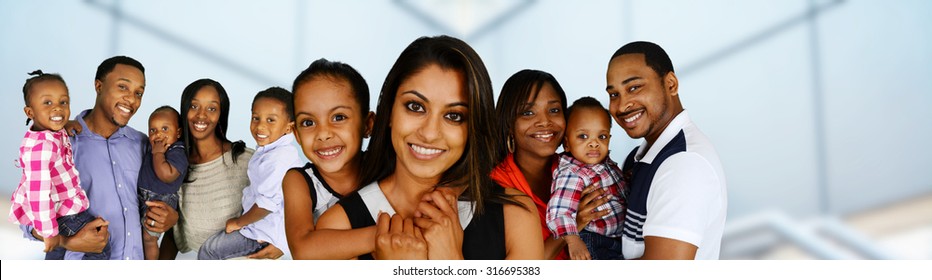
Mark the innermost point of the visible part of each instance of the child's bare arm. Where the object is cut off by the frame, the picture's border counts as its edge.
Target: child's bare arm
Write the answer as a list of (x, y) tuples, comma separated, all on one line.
[(328, 238), (335, 239), (254, 214), (577, 248), (163, 169)]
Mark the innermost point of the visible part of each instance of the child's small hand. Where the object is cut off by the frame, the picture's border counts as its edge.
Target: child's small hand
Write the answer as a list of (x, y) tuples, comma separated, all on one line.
[(232, 225), (51, 243), (73, 128), (269, 252), (577, 248), (159, 144)]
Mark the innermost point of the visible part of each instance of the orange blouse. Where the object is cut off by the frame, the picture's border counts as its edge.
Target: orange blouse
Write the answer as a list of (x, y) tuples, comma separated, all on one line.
[(508, 175)]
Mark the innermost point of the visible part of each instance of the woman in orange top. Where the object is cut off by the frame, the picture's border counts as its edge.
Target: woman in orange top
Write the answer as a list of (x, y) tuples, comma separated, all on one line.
[(530, 109)]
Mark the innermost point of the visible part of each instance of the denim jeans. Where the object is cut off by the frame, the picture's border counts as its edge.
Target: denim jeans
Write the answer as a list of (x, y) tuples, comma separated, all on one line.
[(224, 245), (146, 195), (601, 247), (69, 226)]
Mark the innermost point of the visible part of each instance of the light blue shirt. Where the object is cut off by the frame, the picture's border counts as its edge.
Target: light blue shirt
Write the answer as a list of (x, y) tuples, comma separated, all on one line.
[(267, 168), (108, 171)]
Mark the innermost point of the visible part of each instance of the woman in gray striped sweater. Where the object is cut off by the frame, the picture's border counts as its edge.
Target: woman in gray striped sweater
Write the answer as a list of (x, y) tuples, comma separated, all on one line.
[(213, 189)]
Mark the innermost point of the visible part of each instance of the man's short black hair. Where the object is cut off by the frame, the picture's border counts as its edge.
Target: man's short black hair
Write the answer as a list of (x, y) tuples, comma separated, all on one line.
[(654, 56), (107, 66)]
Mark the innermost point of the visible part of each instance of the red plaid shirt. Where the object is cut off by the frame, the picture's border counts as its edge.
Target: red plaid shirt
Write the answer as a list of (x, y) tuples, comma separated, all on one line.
[(569, 180), (49, 187)]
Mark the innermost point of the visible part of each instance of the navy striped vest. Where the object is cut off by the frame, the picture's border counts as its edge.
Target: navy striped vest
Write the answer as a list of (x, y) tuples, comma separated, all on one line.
[(639, 175)]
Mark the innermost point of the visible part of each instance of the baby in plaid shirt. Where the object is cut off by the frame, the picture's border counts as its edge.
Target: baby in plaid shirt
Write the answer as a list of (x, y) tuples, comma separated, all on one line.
[(49, 196), (585, 163)]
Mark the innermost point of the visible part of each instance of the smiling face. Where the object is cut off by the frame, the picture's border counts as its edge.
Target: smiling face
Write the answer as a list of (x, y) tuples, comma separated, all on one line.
[(587, 134), (641, 101), (119, 94), (270, 121), (428, 122), (163, 125), (48, 106), (204, 113), (539, 125), (329, 123)]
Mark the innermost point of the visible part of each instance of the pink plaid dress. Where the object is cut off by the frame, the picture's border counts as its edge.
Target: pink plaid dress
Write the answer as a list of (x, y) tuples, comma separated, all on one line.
[(49, 187)]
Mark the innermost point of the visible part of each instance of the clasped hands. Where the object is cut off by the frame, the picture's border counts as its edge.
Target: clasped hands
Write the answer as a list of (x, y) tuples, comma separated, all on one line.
[(434, 233)]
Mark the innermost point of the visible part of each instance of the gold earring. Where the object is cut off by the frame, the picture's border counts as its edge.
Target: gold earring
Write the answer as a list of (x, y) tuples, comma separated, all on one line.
[(510, 144)]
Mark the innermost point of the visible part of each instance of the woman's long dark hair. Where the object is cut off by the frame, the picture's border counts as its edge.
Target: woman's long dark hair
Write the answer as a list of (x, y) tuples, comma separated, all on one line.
[(221, 130), (473, 168)]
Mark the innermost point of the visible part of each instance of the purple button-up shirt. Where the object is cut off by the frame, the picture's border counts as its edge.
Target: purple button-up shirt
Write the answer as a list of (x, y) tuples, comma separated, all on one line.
[(108, 169)]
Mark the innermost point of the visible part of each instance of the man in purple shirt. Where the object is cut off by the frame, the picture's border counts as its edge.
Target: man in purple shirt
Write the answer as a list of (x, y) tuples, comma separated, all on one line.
[(108, 154)]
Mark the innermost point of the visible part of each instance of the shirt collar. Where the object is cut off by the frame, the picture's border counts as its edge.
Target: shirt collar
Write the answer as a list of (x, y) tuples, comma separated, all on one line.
[(577, 164), (286, 139), (672, 129), (44, 134), (124, 131)]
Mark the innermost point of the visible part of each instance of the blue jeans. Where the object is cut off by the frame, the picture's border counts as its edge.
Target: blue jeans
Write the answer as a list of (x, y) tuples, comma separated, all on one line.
[(224, 245), (146, 195), (601, 247), (69, 226)]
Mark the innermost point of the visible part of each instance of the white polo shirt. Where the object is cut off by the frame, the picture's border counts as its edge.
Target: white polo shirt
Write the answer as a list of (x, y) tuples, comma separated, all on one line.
[(677, 191)]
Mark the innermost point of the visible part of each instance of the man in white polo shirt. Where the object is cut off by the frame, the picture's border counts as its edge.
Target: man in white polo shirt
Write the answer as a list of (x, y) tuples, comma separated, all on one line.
[(677, 200)]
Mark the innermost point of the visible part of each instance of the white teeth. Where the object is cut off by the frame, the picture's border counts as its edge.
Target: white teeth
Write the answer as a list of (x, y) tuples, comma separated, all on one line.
[(261, 136), (632, 118), (544, 137), (200, 126), (56, 118), (330, 152), (425, 151), (124, 109)]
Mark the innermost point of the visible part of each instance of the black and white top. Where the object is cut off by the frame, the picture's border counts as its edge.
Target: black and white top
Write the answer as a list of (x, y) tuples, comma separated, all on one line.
[(322, 195), (677, 191), (483, 236)]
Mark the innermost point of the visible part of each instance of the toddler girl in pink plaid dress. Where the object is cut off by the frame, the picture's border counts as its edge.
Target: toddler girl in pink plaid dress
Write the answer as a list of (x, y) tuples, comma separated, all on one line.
[(49, 196)]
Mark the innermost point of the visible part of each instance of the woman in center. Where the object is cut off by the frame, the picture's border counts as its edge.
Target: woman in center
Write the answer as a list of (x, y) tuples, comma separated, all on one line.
[(429, 194)]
